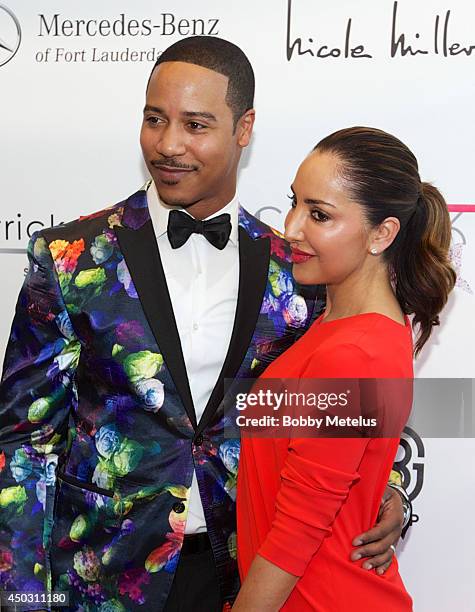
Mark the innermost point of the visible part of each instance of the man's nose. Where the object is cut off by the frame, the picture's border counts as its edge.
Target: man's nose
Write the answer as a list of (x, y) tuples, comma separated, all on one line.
[(171, 142)]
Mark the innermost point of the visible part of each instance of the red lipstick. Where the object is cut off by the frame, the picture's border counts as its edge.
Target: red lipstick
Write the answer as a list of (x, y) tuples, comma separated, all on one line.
[(300, 256)]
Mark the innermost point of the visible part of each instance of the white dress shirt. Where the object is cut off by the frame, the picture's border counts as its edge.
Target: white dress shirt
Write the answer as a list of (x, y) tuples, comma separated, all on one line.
[(203, 283)]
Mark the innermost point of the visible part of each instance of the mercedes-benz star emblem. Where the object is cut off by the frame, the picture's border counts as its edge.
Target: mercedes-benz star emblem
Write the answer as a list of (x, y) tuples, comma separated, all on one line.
[(10, 35)]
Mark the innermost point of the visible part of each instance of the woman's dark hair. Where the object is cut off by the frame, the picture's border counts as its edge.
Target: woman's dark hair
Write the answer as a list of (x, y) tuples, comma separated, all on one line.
[(382, 175)]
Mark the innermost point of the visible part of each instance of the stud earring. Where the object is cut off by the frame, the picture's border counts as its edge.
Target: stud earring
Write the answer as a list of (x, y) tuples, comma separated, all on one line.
[(374, 251)]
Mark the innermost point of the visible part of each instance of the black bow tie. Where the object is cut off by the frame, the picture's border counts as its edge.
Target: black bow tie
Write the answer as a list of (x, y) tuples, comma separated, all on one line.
[(181, 226)]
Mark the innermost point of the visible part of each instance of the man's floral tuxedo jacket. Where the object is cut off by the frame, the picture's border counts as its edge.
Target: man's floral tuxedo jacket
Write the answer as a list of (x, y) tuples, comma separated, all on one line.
[(98, 434)]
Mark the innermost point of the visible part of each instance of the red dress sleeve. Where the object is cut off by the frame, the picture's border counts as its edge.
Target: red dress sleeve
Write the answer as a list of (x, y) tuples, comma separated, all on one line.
[(317, 476)]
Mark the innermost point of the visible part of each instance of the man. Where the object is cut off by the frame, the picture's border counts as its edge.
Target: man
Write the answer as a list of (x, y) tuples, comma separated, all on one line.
[(119, 485)]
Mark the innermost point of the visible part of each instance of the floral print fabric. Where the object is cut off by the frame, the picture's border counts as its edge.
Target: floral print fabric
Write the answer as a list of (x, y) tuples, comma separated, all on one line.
[(96, 458)]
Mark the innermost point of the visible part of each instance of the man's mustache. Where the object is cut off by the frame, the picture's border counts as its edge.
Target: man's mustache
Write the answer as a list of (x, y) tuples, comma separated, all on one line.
[(171, 163)]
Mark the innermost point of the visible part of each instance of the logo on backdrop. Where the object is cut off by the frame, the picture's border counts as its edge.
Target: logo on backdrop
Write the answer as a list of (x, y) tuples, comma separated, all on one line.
[(410, 464), (10, 35), (58, 27), (434, 35), (14, 233), (266, 215), (459, 242)]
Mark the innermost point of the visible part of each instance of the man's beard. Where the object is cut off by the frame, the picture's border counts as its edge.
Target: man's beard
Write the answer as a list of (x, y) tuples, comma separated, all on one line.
[(178, 203), (171, 163)]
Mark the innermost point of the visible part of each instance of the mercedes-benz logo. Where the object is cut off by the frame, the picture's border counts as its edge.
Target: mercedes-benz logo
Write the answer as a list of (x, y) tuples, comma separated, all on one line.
[(10, 35)]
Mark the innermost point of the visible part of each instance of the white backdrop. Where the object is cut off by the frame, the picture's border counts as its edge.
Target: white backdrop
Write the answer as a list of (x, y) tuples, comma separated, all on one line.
[(69, 146)]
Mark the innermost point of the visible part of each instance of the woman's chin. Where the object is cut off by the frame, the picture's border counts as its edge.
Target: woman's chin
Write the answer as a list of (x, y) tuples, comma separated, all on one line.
[(305, 277)]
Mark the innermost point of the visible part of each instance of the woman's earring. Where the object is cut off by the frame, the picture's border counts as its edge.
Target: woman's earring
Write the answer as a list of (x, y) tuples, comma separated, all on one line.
[(374, 251)]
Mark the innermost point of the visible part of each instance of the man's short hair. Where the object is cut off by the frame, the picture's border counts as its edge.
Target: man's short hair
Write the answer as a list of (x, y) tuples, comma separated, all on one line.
[(221, 56)]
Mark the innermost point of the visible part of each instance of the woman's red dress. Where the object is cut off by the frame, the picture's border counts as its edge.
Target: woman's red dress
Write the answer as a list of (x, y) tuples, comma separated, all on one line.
[(301, 502)]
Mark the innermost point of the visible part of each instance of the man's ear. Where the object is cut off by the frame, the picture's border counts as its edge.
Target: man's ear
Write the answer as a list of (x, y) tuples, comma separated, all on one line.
[(244, 127)]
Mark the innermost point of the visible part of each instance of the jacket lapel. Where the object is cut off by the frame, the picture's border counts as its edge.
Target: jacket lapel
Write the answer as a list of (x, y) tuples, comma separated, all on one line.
[(253, 273), (140, 249)]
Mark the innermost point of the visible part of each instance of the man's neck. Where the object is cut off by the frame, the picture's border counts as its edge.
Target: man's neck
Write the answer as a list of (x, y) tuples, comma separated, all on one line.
[(203, 211), (206, 207)]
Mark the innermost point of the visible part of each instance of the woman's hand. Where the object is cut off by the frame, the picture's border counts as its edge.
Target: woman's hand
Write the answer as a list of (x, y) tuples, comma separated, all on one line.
[(376, 543)]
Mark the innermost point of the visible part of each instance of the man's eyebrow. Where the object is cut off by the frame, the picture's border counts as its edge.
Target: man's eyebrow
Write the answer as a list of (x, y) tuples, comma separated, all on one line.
[(153, 109), (200, 114), (188, 114)]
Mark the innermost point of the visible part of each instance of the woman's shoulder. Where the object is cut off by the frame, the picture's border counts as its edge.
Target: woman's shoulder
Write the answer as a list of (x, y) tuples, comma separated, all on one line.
[(370, 344), (363, 330)]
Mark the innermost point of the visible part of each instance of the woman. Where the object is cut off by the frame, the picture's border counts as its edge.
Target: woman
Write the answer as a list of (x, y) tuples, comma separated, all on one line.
[(362, 223)]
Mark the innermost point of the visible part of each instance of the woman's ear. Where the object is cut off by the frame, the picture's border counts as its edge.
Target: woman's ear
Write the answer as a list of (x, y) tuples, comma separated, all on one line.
[(384, 235)]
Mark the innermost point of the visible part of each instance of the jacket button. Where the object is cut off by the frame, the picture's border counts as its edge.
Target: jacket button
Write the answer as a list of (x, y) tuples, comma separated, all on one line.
[(178, 507), (199, 440)]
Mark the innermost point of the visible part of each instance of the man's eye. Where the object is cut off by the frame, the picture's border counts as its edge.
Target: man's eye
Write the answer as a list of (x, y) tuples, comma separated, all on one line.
[(153, 120), (194, 125)]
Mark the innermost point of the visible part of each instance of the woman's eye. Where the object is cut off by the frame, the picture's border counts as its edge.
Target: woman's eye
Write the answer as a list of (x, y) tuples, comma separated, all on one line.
[(319, 216)]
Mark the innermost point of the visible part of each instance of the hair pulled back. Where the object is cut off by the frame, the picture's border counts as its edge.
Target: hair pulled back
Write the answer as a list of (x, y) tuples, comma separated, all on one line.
[(382, 175)]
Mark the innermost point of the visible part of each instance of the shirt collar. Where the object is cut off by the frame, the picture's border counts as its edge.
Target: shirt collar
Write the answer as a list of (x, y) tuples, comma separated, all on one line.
[(159, 212)]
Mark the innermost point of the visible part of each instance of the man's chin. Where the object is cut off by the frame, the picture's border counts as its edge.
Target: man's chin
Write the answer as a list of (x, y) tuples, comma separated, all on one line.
[(174, 199)]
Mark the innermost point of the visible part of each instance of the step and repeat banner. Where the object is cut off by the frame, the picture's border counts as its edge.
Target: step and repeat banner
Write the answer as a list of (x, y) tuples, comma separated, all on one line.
[(72, 83)]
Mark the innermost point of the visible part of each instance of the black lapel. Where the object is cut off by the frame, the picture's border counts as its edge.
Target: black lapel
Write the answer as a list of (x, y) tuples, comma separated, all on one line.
[(140, 250), (253, 273)]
